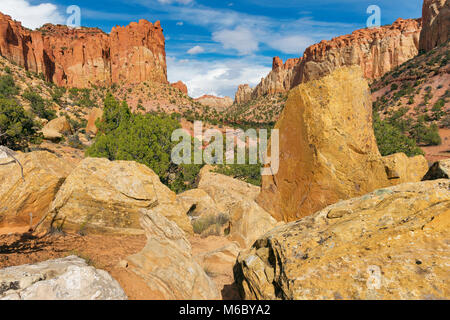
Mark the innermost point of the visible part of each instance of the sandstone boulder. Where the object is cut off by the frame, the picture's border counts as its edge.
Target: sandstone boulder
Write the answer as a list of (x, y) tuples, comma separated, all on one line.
[(247, 220), (225, 190), (68, 278), (400, 169), (197, 203), (436, 24), (57, 128), (328, 150), (220, 261), (389, 244), (94, 114), (103, 195), (439, 170), (166, 263), (44, 173)]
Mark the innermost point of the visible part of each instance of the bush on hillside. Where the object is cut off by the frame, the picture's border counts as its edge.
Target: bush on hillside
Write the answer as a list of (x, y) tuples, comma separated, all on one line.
[(142, 138), (8, 88), (17, 128), (425, 134), (39, 105), (390, 139)]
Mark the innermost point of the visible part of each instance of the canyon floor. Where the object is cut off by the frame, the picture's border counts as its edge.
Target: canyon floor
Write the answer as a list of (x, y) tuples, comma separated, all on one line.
[(18, 247)]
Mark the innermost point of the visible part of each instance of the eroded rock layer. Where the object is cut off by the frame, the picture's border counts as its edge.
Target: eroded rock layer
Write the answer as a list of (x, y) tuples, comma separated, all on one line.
[(375, 50)]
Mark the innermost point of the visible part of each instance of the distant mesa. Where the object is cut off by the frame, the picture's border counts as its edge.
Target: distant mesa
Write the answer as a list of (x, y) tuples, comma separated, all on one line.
[(217, 103)]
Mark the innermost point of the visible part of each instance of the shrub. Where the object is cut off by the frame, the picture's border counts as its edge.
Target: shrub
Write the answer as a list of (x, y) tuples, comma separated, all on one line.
[(17, 125), (8, 88), (422, 133), (391, 139), (437, 110), (250, 173), (39, 105), (205, 223), (142, 138)]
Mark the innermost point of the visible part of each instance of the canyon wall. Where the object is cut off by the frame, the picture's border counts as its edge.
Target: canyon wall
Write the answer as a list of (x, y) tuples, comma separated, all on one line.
[(375, 50), (243, 94), (87, 56), (436, 23)]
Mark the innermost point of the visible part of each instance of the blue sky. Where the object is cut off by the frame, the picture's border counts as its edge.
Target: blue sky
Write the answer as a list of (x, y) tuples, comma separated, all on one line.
[(213, 46)]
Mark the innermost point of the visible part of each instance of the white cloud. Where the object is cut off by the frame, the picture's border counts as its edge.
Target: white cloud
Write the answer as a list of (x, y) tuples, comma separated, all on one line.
[(240, 39), (196, 50), (180, 23), (291, 44), (31, 16), (216, 77)]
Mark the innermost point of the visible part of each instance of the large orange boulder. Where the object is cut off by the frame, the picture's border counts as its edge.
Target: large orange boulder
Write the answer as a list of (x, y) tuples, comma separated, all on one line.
[(328, 150), (21, 198)]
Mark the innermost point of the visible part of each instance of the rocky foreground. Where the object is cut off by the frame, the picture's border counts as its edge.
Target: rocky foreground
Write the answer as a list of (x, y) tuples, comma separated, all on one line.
[(387, 241), (389, 244), (337, 221)]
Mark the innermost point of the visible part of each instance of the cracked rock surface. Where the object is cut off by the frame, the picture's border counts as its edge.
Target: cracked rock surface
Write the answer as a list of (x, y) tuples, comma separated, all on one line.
[(392, 243), (107, 195)]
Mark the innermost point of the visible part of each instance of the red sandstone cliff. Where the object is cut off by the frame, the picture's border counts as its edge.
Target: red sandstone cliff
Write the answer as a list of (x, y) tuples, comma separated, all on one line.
[(376, 50), (436, 23), (87, 56)]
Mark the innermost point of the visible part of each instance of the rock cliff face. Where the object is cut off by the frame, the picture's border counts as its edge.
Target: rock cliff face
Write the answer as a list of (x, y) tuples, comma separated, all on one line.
[(389, 244), (436, 23), (87, 56), (280, 79), (376, 51), (327, 149), (243, 94)]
